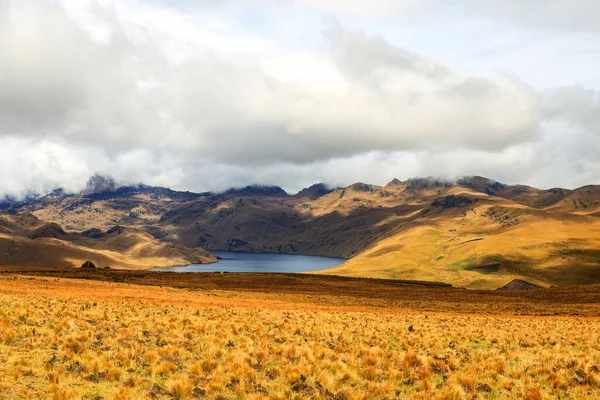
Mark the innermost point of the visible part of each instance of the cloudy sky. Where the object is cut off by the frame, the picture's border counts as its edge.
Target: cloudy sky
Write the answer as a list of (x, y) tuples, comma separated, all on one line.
[(206, 94)]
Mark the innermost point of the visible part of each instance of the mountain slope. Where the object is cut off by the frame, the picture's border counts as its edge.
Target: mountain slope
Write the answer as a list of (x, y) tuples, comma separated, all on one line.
[(487, 246), (474, 232), (27, 241)]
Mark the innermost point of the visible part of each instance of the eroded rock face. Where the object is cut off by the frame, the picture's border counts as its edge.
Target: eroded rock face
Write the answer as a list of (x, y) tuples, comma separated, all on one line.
[(88, 265)]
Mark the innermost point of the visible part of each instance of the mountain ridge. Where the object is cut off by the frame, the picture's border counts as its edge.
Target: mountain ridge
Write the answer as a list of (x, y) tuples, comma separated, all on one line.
[(479, 183), (473, 231)]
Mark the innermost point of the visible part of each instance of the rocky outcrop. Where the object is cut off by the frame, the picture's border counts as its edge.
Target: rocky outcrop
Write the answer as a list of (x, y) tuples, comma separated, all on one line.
[(518, 284)]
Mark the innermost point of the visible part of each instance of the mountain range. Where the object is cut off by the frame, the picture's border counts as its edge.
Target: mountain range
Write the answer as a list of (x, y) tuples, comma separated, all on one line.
[(472, 232)]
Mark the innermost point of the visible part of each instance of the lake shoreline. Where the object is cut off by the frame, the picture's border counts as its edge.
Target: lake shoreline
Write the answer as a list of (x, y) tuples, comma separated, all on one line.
[(234, 261)]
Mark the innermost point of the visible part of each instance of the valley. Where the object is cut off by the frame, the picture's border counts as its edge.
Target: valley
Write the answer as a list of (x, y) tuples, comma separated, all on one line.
[(473, 232), (299, 200)]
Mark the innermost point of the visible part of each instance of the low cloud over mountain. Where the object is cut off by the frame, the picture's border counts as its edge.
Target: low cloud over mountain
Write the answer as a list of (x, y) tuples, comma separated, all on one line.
[(204, 97)]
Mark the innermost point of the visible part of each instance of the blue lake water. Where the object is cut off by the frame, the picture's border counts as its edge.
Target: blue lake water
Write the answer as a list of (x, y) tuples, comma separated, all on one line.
[(261, 262)]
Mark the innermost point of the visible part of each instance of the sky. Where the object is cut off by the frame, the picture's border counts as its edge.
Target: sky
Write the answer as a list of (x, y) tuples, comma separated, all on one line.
[(204, 95)]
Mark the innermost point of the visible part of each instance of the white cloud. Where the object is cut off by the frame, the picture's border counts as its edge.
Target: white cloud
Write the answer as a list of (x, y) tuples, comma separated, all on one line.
[(569, 15), (374, 9), (202, 101), (39, 166)]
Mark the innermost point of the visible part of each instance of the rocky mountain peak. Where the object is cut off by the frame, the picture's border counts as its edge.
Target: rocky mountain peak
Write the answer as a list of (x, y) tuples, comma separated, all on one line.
[(315, 191), (257, 190)]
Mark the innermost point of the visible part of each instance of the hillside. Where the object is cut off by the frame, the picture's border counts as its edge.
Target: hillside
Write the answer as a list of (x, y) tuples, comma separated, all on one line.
[(27, 241), (474, 232), (486, 246)]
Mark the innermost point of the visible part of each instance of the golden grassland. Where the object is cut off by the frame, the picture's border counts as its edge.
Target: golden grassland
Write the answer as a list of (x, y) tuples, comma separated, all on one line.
[(28, 241), (69, 338), (514, 243), (141, 253)]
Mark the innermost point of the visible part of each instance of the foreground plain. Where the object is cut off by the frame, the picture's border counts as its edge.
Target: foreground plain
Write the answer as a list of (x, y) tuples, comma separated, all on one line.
[(230, 336)]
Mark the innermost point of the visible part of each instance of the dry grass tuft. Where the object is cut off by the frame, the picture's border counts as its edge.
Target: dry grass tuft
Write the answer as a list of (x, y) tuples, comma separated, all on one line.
[(67, 345), (179, 388)]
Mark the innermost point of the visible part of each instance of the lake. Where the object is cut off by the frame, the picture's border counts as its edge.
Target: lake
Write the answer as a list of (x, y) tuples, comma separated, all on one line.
[(261, 262)]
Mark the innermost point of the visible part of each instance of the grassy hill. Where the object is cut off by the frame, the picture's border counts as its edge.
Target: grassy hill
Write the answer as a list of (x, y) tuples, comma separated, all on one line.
[(27, 241), (480, 248)]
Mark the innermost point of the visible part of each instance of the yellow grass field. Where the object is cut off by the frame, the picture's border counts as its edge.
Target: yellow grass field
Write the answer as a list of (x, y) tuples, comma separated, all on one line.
[(71, 339), (558, 249)]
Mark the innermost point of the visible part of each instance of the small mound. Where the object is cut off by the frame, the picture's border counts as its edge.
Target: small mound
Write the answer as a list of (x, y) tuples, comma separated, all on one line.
[(88, 265), (50, 230), (518, 284)]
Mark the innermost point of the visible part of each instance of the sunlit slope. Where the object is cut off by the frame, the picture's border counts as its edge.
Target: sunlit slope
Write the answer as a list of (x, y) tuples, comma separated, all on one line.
[(27, 241), (472, 232), (487, 246), (584, 200)]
